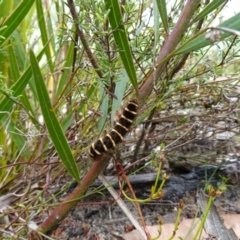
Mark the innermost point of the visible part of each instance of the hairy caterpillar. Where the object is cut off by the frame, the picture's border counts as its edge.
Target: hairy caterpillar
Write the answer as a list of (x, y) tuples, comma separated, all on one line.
[(117, 134)]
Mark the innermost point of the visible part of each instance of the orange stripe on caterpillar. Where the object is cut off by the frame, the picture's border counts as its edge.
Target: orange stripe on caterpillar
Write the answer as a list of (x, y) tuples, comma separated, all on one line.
[(117, 134)]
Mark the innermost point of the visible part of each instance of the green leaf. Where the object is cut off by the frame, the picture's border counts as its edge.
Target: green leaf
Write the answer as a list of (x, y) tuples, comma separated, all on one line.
[(14, 20), (103, 108), (13, 62), (200, 41), (43, 30), (16, 136), (120, 37), (6, 7), (52, 124), (19, 49), (119, 92), (17, 88), (213, 5), (67, 70), (162, 8)]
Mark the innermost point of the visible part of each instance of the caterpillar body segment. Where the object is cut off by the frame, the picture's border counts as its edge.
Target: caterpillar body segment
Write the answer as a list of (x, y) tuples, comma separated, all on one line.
[(116, 135)]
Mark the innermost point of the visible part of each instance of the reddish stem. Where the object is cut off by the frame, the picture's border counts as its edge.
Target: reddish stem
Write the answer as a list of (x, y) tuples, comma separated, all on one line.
[(170, 44), (59, 213)]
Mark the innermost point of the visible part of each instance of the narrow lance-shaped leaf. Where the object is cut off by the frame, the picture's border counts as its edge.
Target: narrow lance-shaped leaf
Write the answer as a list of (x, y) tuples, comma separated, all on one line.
[(6, 7), (202, 41), (52, 124), (14, 68), (14, 20), (67, 70), (17, 88), (120, 37), (162, 8), (213, 5), (44, 35), (119, 92), (104, 109)]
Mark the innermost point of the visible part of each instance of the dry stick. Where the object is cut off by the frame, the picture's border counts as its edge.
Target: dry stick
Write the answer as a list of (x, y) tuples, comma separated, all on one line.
[(83, 39), (141, 138), (125, 178), (170, 44), (122, 205)]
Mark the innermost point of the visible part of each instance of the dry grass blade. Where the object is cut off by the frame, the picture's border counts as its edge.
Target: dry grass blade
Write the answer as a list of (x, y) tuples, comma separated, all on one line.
[(122, 205)]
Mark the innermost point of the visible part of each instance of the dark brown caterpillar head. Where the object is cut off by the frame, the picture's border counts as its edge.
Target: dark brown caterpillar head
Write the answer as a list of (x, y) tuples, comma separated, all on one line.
[(117, 134)]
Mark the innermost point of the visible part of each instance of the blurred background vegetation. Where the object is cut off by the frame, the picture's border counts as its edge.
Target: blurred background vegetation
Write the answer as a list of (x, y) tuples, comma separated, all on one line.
[(56, 97)]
